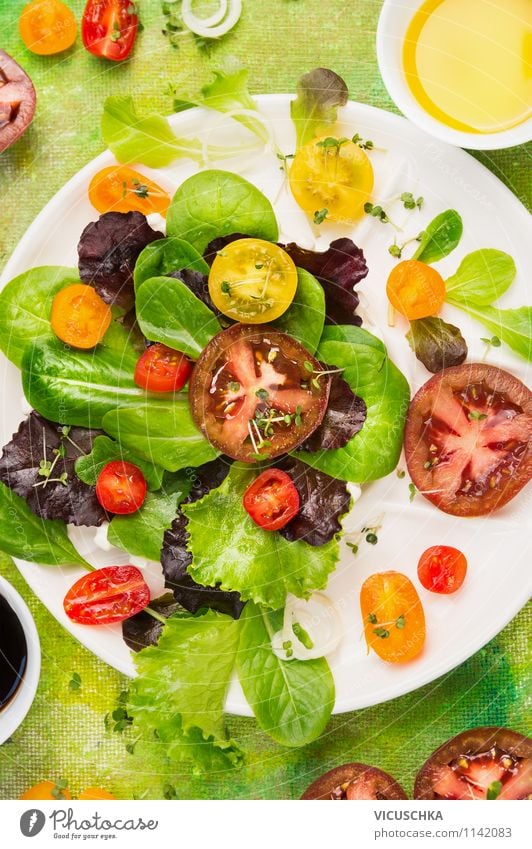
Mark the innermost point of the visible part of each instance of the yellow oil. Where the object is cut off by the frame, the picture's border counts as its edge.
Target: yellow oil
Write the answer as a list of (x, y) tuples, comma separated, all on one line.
[(469, 62)]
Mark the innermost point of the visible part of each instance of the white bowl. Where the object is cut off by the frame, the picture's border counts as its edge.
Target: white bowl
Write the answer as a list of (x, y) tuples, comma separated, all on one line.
[(15, 711), (393, 23)]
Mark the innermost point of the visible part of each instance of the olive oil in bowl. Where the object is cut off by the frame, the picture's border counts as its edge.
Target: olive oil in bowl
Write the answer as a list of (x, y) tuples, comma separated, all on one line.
[(468, 63), (13, 652)]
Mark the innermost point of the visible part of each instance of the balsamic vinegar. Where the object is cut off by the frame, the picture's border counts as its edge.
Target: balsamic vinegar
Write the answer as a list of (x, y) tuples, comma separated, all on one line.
[(13, 652)]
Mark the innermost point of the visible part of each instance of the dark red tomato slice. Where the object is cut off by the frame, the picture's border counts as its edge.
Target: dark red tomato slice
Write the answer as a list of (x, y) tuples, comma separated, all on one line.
[(483, 763), (442, 569), (17, 101), (107, 595), (121, 487), (256, 393), (272, 500), (161, 369), (109, 28), (468, 439), (353, 782)]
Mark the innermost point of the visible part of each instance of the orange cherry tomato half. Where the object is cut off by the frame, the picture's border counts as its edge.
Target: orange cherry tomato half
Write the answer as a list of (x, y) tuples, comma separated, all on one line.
[(47, 27), (107, 595), (121, 189), (121, 487), (161, 369), (415, 289), (394, 621), (47, 790), (442, 569), (95, 794), (272, 500), (79, 316)]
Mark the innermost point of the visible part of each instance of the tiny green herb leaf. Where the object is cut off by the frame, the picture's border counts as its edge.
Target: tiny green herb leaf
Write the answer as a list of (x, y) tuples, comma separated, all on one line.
[(320, 215), (494, 790)]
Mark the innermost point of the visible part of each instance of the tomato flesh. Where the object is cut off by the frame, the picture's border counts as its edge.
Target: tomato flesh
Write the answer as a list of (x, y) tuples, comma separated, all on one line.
[(79, 316), (354, 781), (107, 595), (272, 500), (394, 621), (161, 369), (121, 189), (442, 569), (121, 487), (109, 28), (474, 776), (415, 289), (257, 393)]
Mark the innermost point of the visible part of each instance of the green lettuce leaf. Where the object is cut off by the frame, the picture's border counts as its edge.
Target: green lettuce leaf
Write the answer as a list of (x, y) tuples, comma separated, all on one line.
[(180, 690), (481, 278), (292, 700), (160, 258), (229, 549), (305, 317), (440, 237), (319, 94), (514, 327), (105, 450)]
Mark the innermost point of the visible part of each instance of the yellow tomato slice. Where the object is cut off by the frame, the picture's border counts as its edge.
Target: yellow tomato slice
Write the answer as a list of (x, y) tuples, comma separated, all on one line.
[(394, 621), (121, 189), (335, 180), (252, 281)]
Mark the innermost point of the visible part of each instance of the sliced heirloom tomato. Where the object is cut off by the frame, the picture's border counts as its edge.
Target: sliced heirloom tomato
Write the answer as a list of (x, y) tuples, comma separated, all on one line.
[(121, 189), (17, 101), (256, 393), (107, 595), (79, 316), (415, 289), (47, 27), (252, 281), (467, 439), (272, 500), (479, 764), (394, 621), (121, 487), (355, 782), (442, 569), (109, 28), (161, 369)]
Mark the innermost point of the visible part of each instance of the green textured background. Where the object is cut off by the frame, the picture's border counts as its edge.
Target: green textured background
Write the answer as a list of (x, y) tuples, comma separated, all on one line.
[(64, 735)]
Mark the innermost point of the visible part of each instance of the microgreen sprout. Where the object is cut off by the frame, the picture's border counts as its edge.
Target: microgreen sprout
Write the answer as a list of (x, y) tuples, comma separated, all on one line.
[(475, 416), (302, 636), (368, 532), (410, 202), (75, 682), (320, 215), (283, 158), (412, 492), (331, 144), (494, 790), (287, 648), (365, 144), (58, 789), (400, 473), (397, 250)]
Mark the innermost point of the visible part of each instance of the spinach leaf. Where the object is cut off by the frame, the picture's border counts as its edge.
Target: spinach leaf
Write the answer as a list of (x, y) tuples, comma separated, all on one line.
[(229, 549), (481, 278), (25, 306), (218, 203), (168, 312), (78, 387), (180, 690), (162, 432), (436, 343), (440, 237), (514, 327), (105, 450), (142, 533), (292, 700), (161, 258), (374, 451), (319, 94), (27, 536), (305, 317)]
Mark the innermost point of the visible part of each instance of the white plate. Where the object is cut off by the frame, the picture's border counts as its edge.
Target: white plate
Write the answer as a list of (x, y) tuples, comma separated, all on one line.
[(498, 580)]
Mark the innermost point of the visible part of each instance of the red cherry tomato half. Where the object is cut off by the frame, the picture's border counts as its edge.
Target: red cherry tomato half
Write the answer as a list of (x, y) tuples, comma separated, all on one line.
[(107, 595), (161, 369), (109, 28), (121, 487), (442, 569), (272, 500)]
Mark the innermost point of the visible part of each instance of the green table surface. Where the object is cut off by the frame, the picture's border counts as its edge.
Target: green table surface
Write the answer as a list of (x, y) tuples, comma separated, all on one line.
[(64, 735)]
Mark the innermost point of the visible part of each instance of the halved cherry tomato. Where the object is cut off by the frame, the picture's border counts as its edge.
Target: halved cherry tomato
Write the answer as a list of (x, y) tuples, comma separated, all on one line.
[(121, 487), (252, 281), (468, 439), (354, 782), (256, 393), (107, 595), (109, 28), (272, 500), (47, 790), (47, 27), (79, 316), (335, 179), (394, 621), (442, 569), (415, 289), (161, 369), (121, 189), (95, 794)]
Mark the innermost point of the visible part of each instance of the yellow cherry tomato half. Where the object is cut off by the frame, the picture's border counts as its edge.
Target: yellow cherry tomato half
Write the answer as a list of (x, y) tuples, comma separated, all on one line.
[(79, 316), (252, 281), (47, 27), (95, 794), (415, 289), (121, 189), (47, 790), (394, 621), (331, 177)]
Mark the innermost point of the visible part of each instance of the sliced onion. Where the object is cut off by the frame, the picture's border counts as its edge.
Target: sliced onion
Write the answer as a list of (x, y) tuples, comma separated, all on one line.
[(319, 618), (205, 27)]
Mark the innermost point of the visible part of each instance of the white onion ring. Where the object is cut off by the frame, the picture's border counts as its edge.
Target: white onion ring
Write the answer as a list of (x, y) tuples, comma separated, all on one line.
[(319, 618), (202, 27)]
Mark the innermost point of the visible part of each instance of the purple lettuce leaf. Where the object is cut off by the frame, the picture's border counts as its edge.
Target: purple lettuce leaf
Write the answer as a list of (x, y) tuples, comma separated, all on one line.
[(323, 501), (344, 417), (142, 630)]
